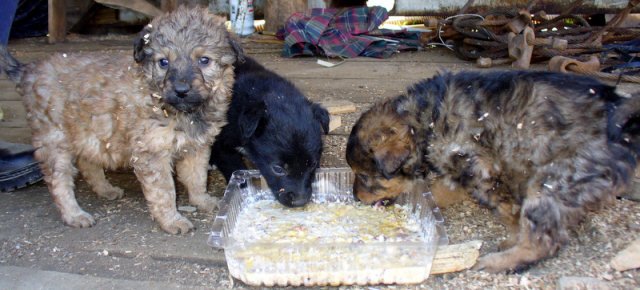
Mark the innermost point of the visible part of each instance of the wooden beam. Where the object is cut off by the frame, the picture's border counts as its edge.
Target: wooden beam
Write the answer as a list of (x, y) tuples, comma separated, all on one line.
[(338, 106), (335, 122), (57, 21), (168, 5), (141, 6), (454, 258), (627, 259), (276, 12)]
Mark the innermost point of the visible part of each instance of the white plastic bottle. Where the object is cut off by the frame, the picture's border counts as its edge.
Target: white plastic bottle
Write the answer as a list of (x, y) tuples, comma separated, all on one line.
[(241, 17)]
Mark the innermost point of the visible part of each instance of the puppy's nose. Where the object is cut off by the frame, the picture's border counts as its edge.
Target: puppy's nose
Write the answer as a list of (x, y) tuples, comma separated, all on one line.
[(356, 190), (291, 199), (181, 88), (299, 201)]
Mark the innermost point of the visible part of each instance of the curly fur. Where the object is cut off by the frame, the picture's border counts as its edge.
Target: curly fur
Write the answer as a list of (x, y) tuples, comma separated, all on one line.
[(91, 111), (539, 148)]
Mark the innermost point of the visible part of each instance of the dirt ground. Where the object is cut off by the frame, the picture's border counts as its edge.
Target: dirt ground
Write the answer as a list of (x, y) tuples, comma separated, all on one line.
[(126, 244)]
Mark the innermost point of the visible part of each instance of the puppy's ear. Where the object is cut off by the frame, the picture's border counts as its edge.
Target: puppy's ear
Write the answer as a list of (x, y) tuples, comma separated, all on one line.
[(322, 116), (237, 48), (392, 148), (238, 52), (139, 44), (390, 160), (250, 119)]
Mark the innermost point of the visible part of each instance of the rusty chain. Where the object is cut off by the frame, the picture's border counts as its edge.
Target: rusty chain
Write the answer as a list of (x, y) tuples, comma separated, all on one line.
[(517, 36)]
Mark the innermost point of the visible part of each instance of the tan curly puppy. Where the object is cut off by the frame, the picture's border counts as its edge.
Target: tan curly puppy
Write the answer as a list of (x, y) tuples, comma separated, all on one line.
[(94, 110)]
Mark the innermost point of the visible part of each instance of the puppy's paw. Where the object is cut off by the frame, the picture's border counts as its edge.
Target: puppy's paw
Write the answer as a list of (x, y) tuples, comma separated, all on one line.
[(500, 262), (112, 193), (508, 243), (177, 225), (80, 219), (205, 202)]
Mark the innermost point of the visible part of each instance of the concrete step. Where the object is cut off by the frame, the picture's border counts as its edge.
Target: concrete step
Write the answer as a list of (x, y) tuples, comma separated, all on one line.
[(18, 278)]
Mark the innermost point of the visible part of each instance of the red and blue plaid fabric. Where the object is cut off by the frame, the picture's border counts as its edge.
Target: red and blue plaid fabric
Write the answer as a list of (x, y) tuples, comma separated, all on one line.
[(345, 33)]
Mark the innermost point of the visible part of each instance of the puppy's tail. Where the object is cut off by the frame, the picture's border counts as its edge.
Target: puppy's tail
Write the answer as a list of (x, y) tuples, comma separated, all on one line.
[(624, 123), (11, 66)]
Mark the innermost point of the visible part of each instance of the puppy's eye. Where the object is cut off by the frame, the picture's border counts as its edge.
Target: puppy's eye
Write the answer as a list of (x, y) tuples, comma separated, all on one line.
[(203, 61), (278, 170), (163, 63)]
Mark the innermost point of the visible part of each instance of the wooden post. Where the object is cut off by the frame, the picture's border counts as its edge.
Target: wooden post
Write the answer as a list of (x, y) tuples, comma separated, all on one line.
[(276, 12), (168, 5), (57, 21), (142, 6), (454, 258)]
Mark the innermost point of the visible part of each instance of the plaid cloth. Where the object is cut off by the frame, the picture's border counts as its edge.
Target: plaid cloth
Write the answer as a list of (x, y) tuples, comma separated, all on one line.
[(345, 33)]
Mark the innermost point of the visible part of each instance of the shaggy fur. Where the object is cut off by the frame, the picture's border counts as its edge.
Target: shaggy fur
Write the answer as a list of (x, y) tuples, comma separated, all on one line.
[(538, 148), (278, 129), (94, 110)]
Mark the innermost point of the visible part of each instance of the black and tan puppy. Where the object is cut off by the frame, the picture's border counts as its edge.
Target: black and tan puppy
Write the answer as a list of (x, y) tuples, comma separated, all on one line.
[(277, 128), (558, 145)]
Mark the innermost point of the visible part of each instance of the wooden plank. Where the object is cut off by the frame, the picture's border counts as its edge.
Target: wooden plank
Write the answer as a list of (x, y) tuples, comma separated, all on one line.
[(338, 106), (16, 135), (433, 57), (8, 91), (454, 258), (627, 259), (334, 122), (141, 6), (276, 12), (14, 114), (57, 21), (354, 90), (168, 5), (26, 53), (360, 70)]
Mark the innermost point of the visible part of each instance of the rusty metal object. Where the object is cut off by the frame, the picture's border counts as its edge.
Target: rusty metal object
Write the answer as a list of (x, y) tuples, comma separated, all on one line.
[(466, 6), (520, 49), (517, 35), (485, 62), (518, 24), (555, 43), (562, 21), (615, 21), (572, 7), (452, 7), (591, 67), (535, 37), (566, 64)]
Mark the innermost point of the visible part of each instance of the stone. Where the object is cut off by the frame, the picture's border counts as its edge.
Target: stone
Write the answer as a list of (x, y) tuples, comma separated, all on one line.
[(187, 208), (627, 259), (581, 283)]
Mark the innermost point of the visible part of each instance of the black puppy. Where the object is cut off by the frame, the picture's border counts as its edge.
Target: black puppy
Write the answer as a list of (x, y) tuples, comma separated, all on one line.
[(277, 128)]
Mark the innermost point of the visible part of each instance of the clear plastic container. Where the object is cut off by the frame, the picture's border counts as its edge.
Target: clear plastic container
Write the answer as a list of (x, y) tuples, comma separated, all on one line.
[(339, 263)]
